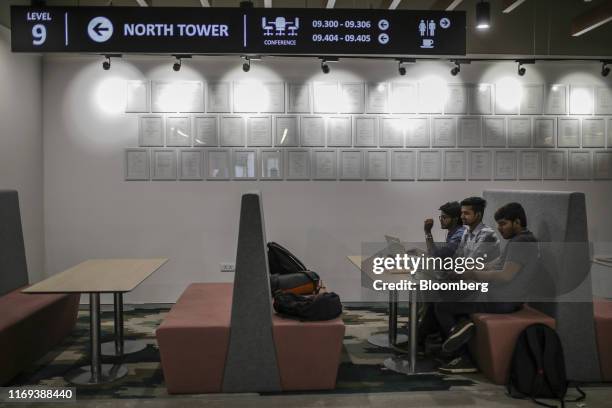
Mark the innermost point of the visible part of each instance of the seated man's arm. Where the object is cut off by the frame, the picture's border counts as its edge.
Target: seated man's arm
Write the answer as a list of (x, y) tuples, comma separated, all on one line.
[(506, 274)]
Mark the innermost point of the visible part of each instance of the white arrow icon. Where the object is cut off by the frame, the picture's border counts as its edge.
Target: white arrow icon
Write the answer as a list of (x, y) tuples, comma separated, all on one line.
[(383, 38), (100, 29)]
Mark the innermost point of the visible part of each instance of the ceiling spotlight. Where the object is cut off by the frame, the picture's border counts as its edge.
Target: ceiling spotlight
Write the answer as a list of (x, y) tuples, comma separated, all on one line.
[(401, 64), (521, 69), (106, 64), (401, 70), (177, 65), (483, 15), (456, 69), (324, 66), (605, 69), (246, 66)]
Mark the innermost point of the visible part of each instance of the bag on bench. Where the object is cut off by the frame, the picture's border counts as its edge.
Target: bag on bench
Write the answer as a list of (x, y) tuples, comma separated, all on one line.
[(537, 368), (324, 306), (299, 283), (281, 261)]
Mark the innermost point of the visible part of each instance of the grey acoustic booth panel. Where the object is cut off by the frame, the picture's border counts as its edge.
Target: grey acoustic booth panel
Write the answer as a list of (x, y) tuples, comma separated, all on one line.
[(559, 220), (251, 364), (13, 267)]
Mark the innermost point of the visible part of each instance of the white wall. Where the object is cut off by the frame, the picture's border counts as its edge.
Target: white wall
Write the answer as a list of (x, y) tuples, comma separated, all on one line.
[(90, 211), (21, 150)]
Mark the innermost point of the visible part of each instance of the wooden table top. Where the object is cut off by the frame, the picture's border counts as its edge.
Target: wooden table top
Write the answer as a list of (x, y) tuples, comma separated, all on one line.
[(99, 276)]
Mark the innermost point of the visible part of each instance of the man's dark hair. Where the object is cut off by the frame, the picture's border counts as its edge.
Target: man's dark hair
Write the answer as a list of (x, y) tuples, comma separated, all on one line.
[(512, 212), (453, 210), (478, 204)]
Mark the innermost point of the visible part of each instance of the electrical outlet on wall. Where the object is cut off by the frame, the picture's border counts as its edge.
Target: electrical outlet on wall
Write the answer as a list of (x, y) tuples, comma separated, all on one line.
[(228, 267)]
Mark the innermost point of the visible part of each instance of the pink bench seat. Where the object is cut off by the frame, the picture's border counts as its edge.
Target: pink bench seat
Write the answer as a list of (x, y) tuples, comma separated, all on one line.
[(193, 342)]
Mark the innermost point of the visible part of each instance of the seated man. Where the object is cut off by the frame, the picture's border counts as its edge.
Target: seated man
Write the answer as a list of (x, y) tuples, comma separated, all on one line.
[(510, 273), (450, 219), (478, 241)]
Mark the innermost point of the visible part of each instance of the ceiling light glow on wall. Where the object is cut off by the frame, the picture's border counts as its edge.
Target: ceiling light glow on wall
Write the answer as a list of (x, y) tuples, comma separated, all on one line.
[(483, 15), (509, 93)]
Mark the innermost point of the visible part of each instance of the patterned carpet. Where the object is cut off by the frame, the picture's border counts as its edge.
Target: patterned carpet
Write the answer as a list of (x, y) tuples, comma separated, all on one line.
[(361, 368)]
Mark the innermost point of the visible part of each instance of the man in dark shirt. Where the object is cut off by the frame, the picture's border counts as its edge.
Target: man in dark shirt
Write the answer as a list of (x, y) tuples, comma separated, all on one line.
[(510, 276)]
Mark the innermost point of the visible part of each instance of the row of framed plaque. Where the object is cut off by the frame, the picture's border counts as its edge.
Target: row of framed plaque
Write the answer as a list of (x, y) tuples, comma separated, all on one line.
[(430, 97), (366, 164), (372, 131)]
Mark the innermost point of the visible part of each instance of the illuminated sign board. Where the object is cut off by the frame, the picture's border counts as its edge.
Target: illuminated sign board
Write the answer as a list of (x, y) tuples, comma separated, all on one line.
[(183, 30)]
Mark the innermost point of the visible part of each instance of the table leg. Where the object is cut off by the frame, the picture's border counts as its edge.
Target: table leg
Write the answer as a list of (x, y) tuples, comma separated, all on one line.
[(390, 338), (119, 346), (96, 372)]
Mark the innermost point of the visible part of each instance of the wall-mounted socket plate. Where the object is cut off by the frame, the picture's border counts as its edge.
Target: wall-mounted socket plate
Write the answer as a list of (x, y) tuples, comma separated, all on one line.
[(228, 267)]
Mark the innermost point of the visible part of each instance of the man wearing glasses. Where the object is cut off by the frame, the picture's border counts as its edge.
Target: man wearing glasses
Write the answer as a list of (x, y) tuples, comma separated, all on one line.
[(450, 219)]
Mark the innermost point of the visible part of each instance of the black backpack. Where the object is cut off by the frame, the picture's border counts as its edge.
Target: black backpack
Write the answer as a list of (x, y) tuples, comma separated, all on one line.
[(281, 261), (324, 306), (537, 369)]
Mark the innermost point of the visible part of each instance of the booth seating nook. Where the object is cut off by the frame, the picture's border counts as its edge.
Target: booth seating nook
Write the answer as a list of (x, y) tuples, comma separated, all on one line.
[(30, 325), (558, 220), (224, 337)]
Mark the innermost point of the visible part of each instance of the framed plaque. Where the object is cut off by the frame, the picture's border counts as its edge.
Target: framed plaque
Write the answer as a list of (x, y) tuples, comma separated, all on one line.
[(505, 165), (532, 100), (469, 131), (351, 165), (581, 100), (137, 98), (391, 132), (480, 99), (556, 100), (286, 131), (580, 165), (218, 164), (530, 165), (298, 98), (151, 131), (136, 164), (259, 131), (519, 132), (603, 165), (494, 129), (417, 132), (352, 99), (376, 165), (568, 134), (480, 165), (178, 131), (457, 101), (190, 164), (403, 97), (366, 131), (555, 165), (312, 131), (339, 131), (244, 164), (454, 165), (271, 164), (603, 100), (298, 164), (430, 165), (377, 99), (403, 164), (206, 133), (545, 132), (593, 132), (164, 164), (444, 132), (232, 130), (324, 164), (325, 95), (218, 97)]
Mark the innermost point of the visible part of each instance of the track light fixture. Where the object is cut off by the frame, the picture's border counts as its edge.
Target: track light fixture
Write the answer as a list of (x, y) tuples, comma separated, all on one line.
[(324, 66), (401, 65), (521, 70), (107, 63), (483, 15), (605, 69), (246, 66), (456, 69), (179, 61), (401, 69)]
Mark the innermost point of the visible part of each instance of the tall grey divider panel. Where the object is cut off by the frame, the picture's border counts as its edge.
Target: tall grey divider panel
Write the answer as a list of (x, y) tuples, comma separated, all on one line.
[(251, 358), (559, 221), (13, 267)]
